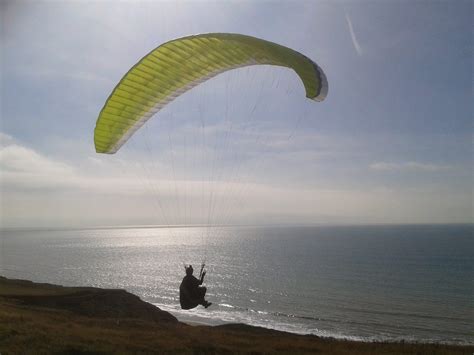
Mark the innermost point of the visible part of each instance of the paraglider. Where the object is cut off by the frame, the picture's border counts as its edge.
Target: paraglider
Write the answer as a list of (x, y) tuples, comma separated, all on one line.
[(191, 293), (177, 66)]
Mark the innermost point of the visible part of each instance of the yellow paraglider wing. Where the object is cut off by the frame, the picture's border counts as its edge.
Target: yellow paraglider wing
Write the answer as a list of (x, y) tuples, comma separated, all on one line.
[(177, 66)]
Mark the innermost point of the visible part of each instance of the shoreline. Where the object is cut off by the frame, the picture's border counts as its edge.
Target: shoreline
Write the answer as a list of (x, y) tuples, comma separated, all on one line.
[(340, 337), (46, 318), (201, 320)]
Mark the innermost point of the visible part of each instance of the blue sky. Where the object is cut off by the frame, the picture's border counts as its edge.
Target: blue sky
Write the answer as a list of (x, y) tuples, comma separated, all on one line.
[(392, 143)]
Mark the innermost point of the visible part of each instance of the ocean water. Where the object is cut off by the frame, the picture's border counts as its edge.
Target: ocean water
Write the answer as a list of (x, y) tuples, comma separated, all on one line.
[(413, 282)]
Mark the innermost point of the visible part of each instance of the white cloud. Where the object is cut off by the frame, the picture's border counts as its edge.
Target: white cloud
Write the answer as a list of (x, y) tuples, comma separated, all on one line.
[(44, 190), (16, 158), (5, 139)]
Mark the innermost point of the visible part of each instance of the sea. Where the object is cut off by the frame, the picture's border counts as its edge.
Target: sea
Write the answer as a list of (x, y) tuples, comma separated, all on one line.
[(369, 283)]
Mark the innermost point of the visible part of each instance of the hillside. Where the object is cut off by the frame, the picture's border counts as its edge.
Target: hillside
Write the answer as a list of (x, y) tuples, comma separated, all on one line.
[(43, 319)]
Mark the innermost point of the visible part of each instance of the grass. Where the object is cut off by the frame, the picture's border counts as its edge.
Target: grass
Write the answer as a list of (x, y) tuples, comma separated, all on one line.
[(48, 319)]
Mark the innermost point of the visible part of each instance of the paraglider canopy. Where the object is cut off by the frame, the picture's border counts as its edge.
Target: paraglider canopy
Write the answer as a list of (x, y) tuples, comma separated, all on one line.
[(180, 64)]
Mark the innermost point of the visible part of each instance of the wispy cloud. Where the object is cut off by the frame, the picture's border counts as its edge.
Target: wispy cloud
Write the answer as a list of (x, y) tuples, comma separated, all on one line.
[(408, 166), (38, 187), (21, 159), (355, 42), (5, 139)]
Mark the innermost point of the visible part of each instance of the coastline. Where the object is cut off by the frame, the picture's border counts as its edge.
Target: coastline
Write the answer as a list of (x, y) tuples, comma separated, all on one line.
[(45, 318)]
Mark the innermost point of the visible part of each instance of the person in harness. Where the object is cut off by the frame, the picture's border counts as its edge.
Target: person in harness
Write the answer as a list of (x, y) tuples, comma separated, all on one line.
[(191, 293)]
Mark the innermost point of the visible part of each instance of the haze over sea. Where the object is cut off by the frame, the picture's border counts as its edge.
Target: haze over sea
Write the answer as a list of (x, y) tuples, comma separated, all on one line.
[(380, 282)]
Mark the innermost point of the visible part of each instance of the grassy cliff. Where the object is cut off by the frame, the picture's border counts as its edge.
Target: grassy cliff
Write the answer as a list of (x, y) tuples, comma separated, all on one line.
[(49, 319)]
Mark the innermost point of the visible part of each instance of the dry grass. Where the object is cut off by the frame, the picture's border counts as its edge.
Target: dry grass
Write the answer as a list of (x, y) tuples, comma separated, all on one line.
[(31, 324)]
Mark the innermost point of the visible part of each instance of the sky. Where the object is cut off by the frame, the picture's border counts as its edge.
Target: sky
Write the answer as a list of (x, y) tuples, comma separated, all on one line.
[(392, 142)]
